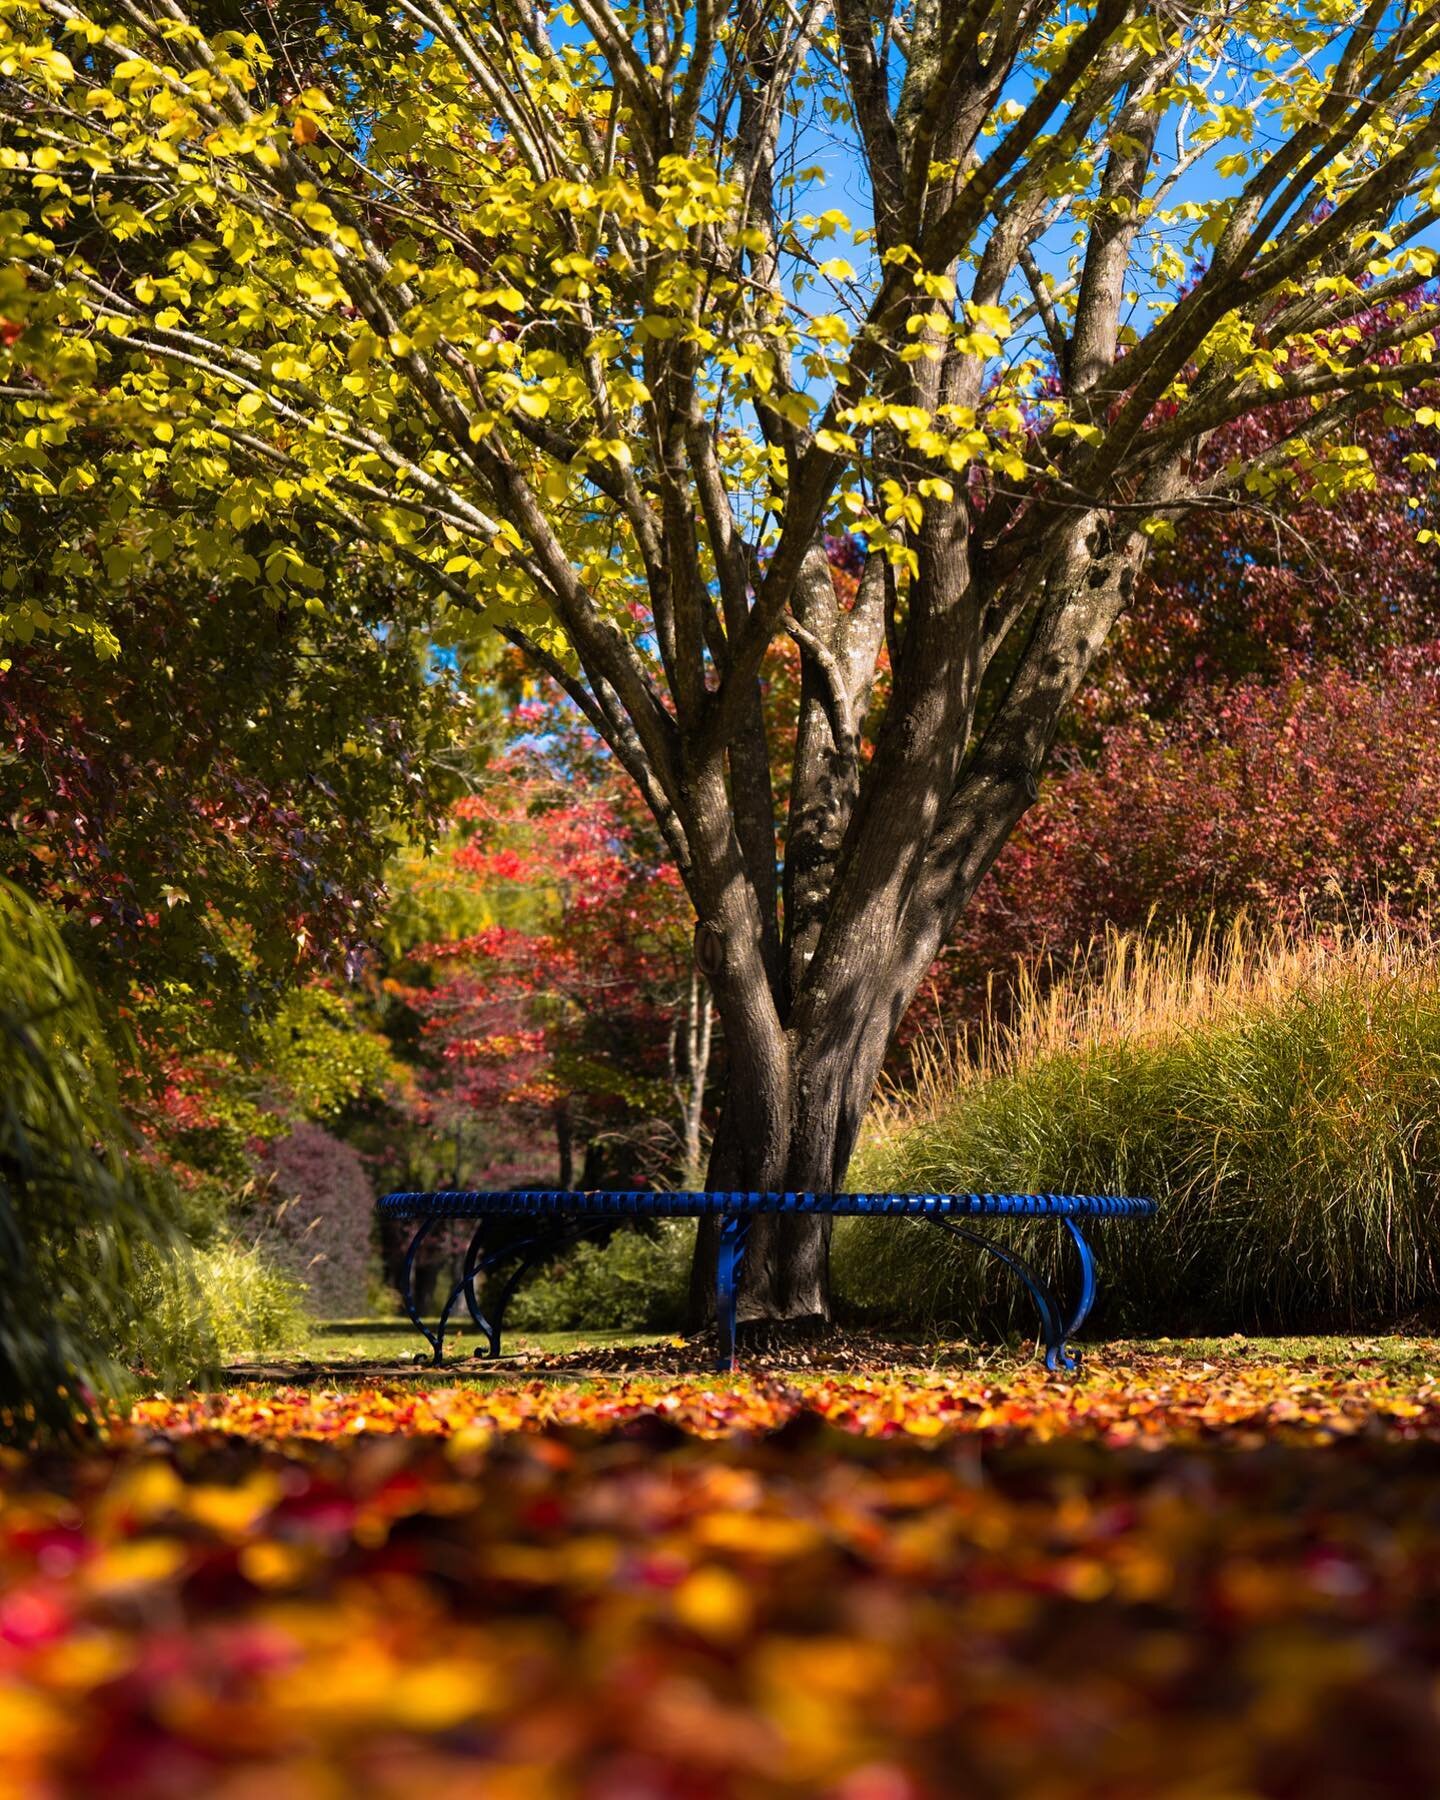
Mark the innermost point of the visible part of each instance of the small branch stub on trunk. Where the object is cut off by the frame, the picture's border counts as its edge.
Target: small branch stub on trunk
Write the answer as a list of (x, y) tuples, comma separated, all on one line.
[(709, 950)]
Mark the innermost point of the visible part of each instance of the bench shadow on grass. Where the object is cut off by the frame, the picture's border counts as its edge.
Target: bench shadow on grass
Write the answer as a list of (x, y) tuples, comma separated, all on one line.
[(370, 1350)]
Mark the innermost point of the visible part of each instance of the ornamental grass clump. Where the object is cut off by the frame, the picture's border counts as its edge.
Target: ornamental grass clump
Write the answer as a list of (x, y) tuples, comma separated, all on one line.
[(73, 1213), (1278, 1093)]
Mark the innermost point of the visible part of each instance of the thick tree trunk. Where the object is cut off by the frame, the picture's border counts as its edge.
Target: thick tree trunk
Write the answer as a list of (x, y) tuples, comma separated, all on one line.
[(784, 1277), (885, 867), (792, 1115)]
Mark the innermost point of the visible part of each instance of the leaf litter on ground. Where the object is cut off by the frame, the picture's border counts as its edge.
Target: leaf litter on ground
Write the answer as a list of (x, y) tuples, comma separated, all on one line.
[(1202, 1577)]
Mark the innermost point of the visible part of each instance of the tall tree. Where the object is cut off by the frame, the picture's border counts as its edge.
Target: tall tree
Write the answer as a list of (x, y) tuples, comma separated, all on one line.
[(544, 305)]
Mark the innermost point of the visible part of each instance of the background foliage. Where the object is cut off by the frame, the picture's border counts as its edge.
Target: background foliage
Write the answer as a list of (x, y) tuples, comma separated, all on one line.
[(230, 730), (207, 788)]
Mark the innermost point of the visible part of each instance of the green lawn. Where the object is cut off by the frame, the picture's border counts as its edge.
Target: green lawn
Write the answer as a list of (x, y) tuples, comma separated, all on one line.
[(397, 1341), (1394, 1352), (335, 1343)]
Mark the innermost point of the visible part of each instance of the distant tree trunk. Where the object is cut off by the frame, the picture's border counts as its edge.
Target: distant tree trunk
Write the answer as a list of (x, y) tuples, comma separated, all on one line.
[(565, 1142), (689, 1081)]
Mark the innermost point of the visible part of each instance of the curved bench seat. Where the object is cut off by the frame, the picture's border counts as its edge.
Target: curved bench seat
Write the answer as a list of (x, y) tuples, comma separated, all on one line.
[(542, 1214)]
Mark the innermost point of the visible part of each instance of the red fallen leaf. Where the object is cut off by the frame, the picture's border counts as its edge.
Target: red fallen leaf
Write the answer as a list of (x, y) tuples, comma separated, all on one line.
[(655, 1571), (319, 1515), (31, 1617), (545, 1515)]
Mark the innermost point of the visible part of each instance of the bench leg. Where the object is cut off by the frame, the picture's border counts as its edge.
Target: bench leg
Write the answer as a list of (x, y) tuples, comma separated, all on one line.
[(1052, 1327), (733, 1232), (526, 1254), (465, 1285), (1087, 1280), (475, 1264), (407, 1294)]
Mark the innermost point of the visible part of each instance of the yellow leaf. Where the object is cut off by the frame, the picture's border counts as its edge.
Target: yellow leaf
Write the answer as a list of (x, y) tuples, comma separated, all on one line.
[(139, 1563), (31, 1725), (232, 1511), (713, 1603), (273, 1565)]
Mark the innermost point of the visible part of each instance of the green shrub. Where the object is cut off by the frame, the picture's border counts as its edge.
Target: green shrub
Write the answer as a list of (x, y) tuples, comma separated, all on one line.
[(638, 1281), (1279, 1098), (213, 1305)]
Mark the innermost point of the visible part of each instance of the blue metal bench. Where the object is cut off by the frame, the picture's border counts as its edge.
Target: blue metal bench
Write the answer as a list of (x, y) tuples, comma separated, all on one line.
[(522, 1228)]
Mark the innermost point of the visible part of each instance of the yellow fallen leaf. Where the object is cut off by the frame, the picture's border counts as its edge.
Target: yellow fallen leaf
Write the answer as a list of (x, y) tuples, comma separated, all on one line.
[(140, 1563), (714, 1603)]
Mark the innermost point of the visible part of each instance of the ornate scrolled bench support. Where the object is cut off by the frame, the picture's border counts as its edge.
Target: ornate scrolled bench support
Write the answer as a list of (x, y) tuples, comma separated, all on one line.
[(1056, 1327), (407, 1287), (1087, 1280), (1051, 1328)]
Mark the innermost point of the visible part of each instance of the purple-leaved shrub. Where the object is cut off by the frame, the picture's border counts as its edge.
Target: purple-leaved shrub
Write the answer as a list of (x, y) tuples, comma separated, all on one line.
[(316, 1219)]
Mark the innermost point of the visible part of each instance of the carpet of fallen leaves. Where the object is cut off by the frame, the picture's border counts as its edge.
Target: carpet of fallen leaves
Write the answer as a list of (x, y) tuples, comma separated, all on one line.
[(1164, 1578)]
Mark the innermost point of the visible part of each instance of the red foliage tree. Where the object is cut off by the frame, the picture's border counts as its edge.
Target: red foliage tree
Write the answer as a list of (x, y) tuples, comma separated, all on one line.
[(318, 1217), (1258, 735), (577, 1009), (1252, 591), (1311, 796)]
